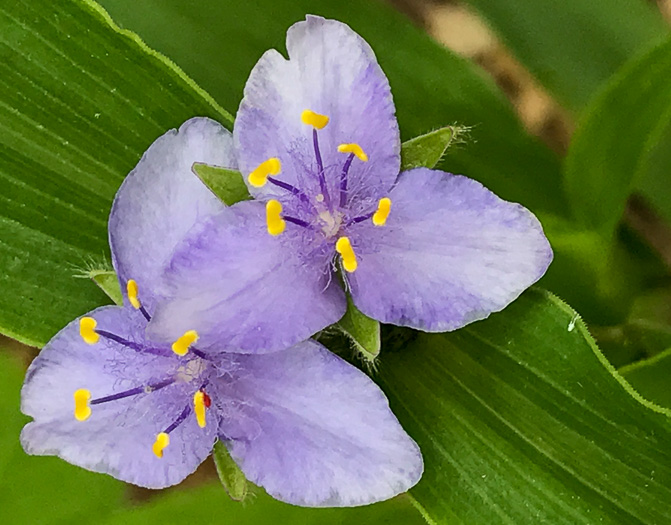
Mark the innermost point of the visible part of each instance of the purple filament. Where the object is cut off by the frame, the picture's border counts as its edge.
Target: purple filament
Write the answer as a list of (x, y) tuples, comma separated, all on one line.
[(320, 167), (296, 221), (360, 218), (133, 392), (180, 419), (130, 344), (343, 179)]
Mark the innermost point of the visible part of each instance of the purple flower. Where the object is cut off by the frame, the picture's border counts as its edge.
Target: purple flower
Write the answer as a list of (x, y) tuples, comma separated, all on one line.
[(317, 139), (301, 422)]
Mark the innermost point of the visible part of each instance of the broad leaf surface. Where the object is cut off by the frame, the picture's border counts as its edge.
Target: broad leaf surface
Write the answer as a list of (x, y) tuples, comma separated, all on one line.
[(573, 46), (80, 101), (522, 420), (226, 184), (611, 148)]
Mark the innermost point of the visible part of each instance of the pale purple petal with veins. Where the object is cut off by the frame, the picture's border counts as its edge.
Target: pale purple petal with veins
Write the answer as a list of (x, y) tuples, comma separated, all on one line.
[(325, 436), (331, 70), (451, 252), (161, 200), (246, 291)]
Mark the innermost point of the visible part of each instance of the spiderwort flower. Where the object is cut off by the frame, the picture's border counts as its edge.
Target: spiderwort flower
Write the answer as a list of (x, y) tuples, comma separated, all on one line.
[(301, 422), (318, 141)]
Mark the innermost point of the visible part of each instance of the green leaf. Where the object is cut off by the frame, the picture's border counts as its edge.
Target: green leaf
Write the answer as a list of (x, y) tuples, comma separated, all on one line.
[(521, 419), (230, 475), (80, 101), (427, 150), (218, 43), (108, 282), (612, 144), (651, 378), (573, 46), (206, 505), (43, 490), (363, 331), (226, 184)]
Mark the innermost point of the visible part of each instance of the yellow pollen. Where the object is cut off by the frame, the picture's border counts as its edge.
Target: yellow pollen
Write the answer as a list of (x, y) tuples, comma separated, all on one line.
[(82, 408), (354, 148), (276, 224), (181, 346), (87, 329), (131, 290), (314, 119), (383, 209), (344, 248), (259, 176), (199, 407), (162, 441)]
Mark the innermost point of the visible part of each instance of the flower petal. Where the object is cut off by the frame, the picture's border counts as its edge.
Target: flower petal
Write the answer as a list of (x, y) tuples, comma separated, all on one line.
[(244, 290), (331, 70), (117, 438), (325, 435), (450, 253), (161, 200)]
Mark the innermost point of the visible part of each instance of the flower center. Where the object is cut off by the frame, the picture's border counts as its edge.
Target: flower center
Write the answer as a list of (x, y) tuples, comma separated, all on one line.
[(329, 214), (190, 370)]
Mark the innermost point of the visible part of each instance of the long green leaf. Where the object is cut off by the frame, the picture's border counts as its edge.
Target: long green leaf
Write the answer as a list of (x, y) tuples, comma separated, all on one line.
[(522, 420), (611, 147), (573, 46), (218, 42), (80, 101)]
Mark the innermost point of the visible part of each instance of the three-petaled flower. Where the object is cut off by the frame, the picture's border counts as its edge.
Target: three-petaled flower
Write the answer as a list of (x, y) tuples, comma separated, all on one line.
[(308, 427), (317, 140)]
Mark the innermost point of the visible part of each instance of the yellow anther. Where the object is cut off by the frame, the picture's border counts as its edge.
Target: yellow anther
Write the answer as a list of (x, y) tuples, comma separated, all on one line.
[(181, 346), (259, 176), (199, 407), (383, 209), (131, 290), (344, 248), (314, 119), (162, 441), (354, 148), (274, 220), (87, 329), (82, 408)]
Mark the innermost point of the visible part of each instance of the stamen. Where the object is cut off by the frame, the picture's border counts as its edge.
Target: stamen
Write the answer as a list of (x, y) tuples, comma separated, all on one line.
[(294, 191), (181, 346), (162, 441), (355, 149), (199, 406), (344, 248), (258, 177), (320, 167), (132, 292), (313, 119), (87, 329), (129, 344), (82, 408), (274, 221), (383, 209)]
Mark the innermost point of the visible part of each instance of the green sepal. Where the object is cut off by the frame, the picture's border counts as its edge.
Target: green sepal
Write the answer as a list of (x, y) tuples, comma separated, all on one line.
[(363, 331), (226, 184), (426, 150), (230, 475), (108, 282)]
